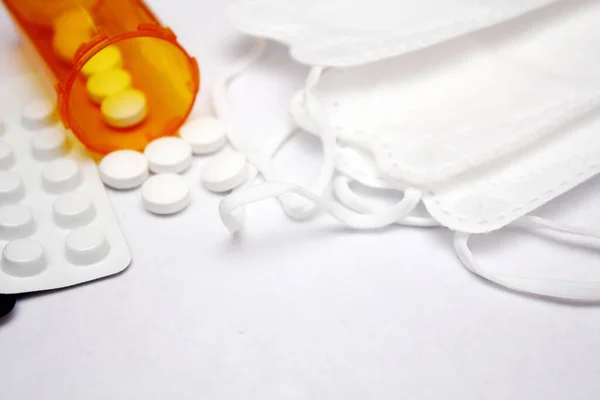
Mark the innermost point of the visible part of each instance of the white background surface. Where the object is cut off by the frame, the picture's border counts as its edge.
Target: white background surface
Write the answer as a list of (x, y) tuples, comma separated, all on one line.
[(299, 311)]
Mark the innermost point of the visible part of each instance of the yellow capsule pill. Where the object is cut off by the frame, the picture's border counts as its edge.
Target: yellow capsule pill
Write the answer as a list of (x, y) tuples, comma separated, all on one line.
[(108, 58), (66, 43), (125, 109), (74, 20), (107, 83)]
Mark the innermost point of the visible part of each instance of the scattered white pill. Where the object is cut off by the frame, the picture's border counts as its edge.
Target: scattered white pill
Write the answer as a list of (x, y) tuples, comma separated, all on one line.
[(165, 194), (124, 169), (86, 245), (73, 209), (205, 135), (225, 171), (61, 175), (50, 143), (168, 155), (7, 158), (11, 187), (16, 221), (23, 258), (38, 113)]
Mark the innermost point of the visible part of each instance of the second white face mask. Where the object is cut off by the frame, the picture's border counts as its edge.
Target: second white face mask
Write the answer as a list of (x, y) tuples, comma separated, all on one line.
[(342, 33), (434, 115)]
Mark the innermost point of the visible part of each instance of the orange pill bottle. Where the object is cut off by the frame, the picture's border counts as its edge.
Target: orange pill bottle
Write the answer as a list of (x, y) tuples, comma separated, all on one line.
[(66, 34)]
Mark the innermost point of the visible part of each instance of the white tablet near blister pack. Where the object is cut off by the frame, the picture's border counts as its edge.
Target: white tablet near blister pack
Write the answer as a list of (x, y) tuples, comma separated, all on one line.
[(57, 227)]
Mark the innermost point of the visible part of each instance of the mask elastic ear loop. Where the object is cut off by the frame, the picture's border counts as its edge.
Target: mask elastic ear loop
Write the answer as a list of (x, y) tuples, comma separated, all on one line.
[(272, 146), (343, 164), (574, 290), (291, 206), (375, 220), (346, 196)]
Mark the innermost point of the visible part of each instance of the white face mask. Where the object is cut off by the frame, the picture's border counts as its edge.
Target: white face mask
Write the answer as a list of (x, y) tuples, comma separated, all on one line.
[(499, 196), (436, 117), (340, 33), (430, 116), (265, 17)]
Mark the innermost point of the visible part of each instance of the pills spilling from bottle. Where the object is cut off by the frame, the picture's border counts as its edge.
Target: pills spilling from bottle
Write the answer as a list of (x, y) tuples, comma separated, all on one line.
[(168, 154), (124, 109), (205, 135), (225, 171), (124, 169), (165, 194)]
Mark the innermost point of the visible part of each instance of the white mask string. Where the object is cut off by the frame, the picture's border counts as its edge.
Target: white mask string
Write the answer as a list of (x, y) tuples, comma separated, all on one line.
[(273, 187), (575, 290), (346, 196), (262, 162)]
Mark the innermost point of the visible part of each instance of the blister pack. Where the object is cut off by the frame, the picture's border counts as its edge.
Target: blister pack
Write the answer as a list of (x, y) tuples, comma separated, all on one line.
[(57, 227)]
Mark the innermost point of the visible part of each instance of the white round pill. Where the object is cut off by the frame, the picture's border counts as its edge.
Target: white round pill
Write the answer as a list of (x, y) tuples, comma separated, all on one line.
[(124, 169), (73, 209), (165, 194), (225, 171), (23, 258), (168, 155), (61, 175), (49, 143), (11, 187), (205, 135), (86, 245), (7, 158), (38, 113), (16, 221)]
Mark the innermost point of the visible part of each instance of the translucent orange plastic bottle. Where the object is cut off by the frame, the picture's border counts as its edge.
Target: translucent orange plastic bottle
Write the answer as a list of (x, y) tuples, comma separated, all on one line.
[(160, 67)]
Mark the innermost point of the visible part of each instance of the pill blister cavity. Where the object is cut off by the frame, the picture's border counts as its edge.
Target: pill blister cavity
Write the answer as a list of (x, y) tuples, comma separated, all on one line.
[(50, 143), (74, 209), (11, 187), (38, 113), (86, 245), (61, 175), (7, 158), (16, 221), (23, 258)]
